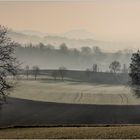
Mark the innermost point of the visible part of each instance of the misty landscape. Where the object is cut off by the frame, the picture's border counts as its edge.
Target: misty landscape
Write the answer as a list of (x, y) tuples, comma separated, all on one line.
[(79, 55), (65, 74), (69, 65)]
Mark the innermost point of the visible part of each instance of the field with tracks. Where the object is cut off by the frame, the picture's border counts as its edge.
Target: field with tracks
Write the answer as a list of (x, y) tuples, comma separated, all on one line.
[(44, 102), (74, 92)]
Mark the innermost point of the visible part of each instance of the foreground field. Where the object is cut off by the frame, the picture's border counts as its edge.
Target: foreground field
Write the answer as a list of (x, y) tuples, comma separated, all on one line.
[(45, 102), (74, 92), (22, 112), (124, 132)]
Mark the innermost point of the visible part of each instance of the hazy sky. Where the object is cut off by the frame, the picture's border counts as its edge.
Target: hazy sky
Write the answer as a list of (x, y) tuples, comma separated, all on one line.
[(106, 19)]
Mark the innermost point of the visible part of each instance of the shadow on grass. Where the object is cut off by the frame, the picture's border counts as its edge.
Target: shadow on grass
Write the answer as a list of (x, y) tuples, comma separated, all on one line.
[(20, 112)]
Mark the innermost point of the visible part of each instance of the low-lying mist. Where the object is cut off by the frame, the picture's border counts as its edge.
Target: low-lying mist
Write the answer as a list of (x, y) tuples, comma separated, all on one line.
[(49, 57)]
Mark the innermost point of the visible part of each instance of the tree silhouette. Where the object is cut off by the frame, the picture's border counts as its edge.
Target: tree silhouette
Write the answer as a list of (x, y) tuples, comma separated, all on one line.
[(54, 74), (135, 68), (8, 62), (35, 70), (62, 71), (115, 66), (95, 67)]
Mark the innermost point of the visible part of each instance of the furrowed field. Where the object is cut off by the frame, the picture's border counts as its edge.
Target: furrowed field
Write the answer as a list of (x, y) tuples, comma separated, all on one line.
[(69, 109), (68, 91)]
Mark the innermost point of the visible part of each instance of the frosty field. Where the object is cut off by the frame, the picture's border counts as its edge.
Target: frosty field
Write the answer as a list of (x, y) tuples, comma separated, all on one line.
[(48, 102), (74, 92)]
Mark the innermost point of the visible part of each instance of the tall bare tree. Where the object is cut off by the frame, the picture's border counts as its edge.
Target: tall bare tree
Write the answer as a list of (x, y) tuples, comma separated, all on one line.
[(54, 74), (8, 62), (95, 67), (27, 71), (62, 71), (35, 70)]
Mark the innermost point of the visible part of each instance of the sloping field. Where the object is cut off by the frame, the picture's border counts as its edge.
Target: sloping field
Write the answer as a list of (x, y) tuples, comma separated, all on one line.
[(74, 92), (43, 103)]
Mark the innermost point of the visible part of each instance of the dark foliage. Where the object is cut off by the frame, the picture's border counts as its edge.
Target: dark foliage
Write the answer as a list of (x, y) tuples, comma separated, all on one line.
[(135, 68)]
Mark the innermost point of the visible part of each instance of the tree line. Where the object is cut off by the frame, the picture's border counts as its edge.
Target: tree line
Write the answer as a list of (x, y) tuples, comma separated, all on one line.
[(50, 57), (35, 71), (115, 67)]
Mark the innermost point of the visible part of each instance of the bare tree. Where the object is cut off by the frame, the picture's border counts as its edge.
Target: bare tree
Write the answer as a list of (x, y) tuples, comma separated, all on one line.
[(8, 62), (62, 71), (115, 66), (95, 67), (27, 71), (35, 71), (54, 74)]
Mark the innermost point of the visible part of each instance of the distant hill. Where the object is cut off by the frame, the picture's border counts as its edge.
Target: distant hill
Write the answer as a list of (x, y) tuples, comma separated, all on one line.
[(29, 37), (24, 38), (34, 38), (33, 33), (78, 34)]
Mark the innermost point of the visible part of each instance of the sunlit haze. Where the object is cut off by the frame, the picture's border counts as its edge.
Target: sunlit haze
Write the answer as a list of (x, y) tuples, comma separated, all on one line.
[(112, 20)]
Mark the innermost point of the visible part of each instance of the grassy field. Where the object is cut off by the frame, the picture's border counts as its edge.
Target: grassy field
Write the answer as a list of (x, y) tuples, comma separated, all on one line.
[(119, 132), (74, 92), (45, 102)]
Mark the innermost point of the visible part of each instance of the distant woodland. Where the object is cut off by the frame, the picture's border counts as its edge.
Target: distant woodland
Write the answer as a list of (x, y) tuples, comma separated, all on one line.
[(50, 57)]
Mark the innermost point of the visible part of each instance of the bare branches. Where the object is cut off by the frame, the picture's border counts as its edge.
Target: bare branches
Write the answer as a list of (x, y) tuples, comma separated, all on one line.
[(115, 66), (62, 71), (8, 62), (35, 70)]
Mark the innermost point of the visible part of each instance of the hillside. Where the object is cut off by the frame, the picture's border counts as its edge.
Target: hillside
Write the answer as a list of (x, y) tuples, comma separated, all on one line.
[(35, 38)]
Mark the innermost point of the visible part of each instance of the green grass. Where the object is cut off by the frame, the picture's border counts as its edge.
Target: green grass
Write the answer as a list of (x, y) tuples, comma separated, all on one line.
[(117, 132)]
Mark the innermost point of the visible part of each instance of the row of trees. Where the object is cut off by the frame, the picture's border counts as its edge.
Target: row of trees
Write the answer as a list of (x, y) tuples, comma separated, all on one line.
[(35, 70), (63, 48), (114, 67), (72, 58), (85, 50)]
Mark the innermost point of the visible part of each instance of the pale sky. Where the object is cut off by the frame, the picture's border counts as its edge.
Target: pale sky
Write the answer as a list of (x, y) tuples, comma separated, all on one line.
[(106, 19)]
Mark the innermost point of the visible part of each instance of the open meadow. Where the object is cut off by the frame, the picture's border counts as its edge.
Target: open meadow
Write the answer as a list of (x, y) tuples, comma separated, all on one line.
[(45, 102), (68, 91)]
